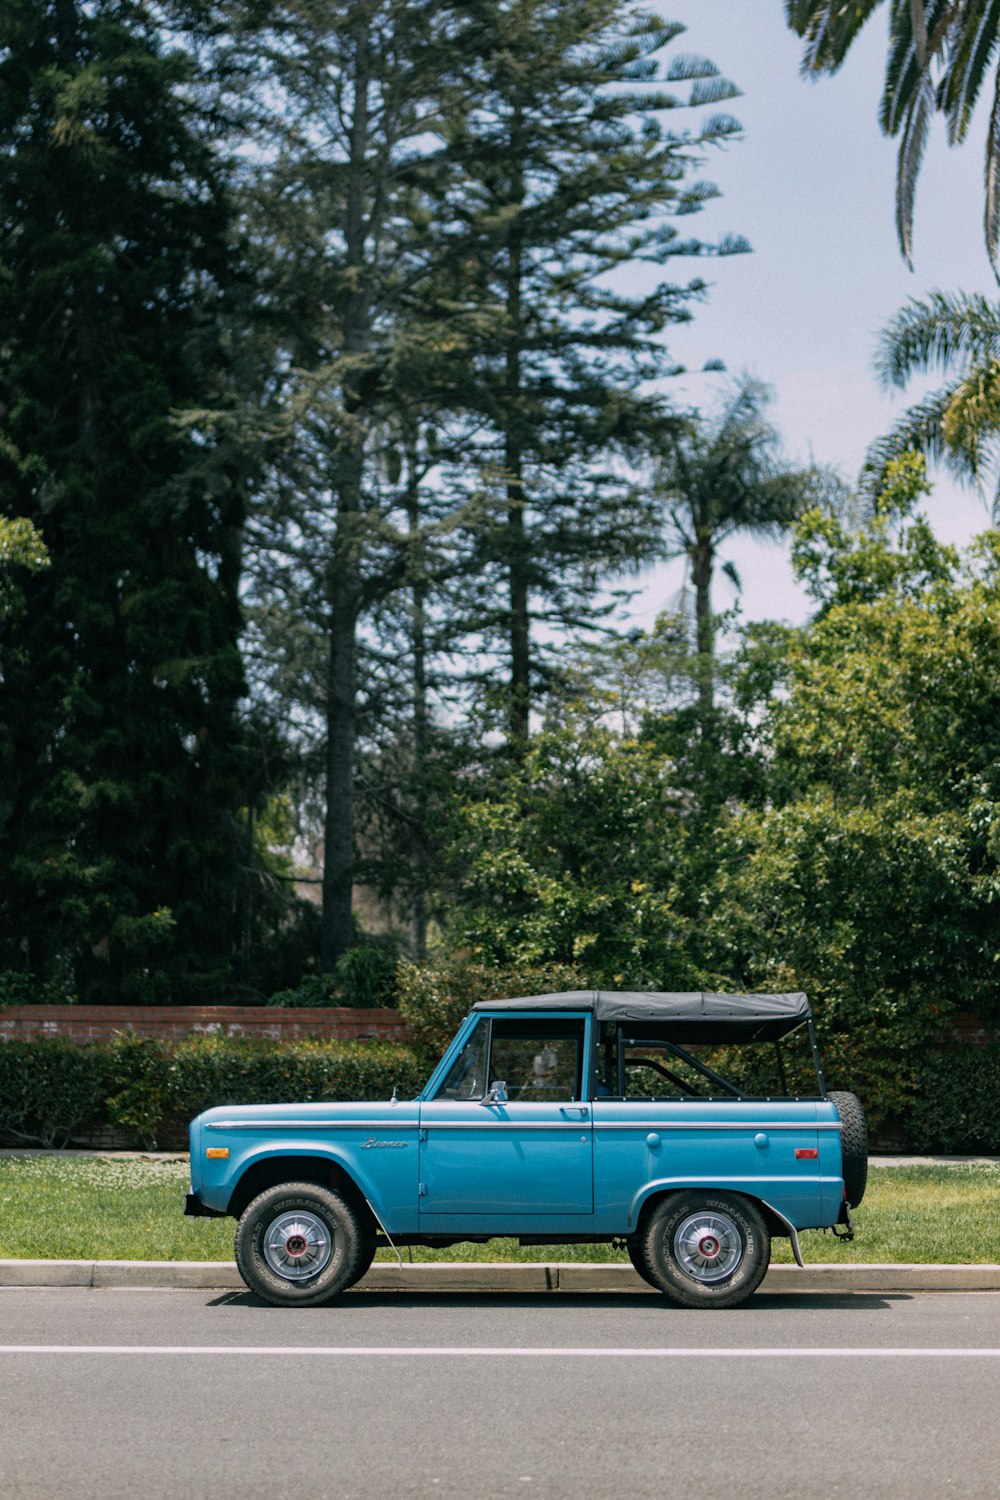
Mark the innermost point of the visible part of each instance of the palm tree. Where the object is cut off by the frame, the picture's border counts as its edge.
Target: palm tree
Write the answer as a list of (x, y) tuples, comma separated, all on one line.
[(959, 423), (940, 54), (721, 476)]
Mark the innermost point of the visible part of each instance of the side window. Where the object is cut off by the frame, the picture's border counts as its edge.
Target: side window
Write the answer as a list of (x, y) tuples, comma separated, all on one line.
[(537, 1060), (652, 1072), (467, 1076), (648, 1070)]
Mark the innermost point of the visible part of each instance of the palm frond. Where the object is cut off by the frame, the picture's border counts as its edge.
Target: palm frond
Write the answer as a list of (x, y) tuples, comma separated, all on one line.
[(919, 430), (945, 330), (914, 48), (972, 418), (829, 27), (972, 43), (911, 152), (955, 42), (991, 209), (902, 72)]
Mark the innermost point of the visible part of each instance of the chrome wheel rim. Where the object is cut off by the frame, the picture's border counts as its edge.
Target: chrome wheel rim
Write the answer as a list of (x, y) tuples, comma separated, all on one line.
[(708, 1246), (297, 1246)]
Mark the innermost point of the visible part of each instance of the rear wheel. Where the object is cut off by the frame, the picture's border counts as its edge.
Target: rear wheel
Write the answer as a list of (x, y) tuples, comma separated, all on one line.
[(298, 1244), (706, 1249)]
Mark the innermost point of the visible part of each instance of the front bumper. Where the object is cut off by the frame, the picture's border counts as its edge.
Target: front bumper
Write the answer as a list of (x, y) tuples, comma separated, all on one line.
[(195, 1209)]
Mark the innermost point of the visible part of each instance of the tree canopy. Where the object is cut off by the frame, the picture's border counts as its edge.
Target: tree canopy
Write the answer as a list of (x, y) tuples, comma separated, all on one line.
[(121, 749)]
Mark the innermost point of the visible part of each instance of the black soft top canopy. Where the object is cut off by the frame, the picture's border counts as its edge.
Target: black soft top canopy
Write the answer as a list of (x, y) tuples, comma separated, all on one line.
[(685, 1017)]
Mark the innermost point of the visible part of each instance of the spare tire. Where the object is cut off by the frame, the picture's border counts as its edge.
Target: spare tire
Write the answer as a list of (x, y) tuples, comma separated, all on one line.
[(853, 1144)]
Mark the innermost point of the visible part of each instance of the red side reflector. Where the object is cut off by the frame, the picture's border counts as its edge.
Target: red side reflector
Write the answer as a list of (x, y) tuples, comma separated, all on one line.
[(805, 1153)]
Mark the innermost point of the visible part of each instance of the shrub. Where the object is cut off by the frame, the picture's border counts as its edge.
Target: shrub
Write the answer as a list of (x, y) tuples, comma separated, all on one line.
[(50, 1090), (957, 1103), (226, 1070), (138, 1078), (54, 1091), (19, 988), (362, 977), (309, 994)]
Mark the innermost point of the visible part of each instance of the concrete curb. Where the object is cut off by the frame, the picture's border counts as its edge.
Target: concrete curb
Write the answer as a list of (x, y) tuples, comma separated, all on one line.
[(455, 1276)]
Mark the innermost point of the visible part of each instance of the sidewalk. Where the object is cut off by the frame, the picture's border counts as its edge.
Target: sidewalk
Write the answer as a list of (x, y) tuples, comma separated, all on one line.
[(454, 1276)]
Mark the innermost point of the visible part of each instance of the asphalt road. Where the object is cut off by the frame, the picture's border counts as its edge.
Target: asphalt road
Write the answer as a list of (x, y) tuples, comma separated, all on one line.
[(148, 1394)]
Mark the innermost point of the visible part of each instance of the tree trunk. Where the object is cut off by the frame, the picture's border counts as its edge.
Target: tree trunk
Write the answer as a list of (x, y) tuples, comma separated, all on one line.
[(337, 932), (344, 585), (702, 559), (418, 633), (517, 542)]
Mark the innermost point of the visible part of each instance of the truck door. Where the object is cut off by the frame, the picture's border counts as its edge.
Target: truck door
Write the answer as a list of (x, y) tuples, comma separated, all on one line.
[(530, 1152)]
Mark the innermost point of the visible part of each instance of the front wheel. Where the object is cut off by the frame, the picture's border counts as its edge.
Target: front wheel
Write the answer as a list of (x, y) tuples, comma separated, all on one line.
[(706, 1249), (637, 1255), (364, 1264), (298, 1244)]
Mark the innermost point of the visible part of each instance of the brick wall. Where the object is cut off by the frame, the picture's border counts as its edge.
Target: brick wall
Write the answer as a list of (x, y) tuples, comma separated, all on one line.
[(98, 1023), (970, 1029)]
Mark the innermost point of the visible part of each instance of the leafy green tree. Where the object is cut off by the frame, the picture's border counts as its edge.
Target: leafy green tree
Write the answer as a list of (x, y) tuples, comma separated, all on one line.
[(723, 477), (576, 857), (120, 752), (871, 880), (940, 55)]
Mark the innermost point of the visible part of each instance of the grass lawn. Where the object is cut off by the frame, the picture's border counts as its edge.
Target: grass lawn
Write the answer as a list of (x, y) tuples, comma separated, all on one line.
[(78, 1208)]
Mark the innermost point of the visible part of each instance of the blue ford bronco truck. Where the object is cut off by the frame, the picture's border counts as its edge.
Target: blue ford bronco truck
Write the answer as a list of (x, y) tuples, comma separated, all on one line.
[(685, 1125)]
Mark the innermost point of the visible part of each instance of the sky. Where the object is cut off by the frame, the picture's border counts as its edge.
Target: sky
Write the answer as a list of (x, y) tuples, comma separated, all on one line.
[(812, 186)]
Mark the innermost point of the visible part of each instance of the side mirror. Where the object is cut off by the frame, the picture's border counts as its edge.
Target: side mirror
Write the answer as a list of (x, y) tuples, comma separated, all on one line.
[(496, 1095)]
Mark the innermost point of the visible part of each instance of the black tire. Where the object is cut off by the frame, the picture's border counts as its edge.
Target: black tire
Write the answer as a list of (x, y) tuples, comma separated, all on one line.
[(706, 1249), (637, 1256), (364, 1263), (298, 1244), (853, 1144)]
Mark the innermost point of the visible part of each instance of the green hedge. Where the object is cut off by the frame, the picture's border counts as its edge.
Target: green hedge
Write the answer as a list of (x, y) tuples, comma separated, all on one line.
[(956, 1108), (50, 1090), (54, 1092)]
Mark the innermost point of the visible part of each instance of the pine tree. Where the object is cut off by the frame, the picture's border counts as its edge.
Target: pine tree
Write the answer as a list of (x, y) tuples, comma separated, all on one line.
[(121, 755), (569, 180), (452, 190), (347, 221)]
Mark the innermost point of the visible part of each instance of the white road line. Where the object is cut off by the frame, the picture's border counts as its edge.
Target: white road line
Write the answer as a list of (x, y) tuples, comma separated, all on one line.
[(485, 1351)]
